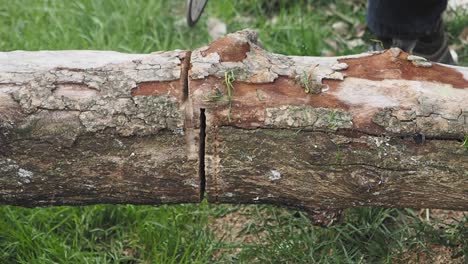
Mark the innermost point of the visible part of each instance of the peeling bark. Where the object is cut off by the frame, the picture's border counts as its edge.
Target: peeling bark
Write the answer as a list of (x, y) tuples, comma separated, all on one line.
[(321, 134), (375, 129), (81, 127)]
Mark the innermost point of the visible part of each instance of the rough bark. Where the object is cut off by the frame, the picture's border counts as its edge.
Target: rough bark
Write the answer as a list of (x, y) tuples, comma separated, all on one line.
[(375, 129), (81, 127)]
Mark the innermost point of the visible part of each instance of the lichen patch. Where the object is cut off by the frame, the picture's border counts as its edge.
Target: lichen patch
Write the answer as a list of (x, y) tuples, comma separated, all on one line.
[(25, 175), (307, 117), (274, 175), (405, 106)]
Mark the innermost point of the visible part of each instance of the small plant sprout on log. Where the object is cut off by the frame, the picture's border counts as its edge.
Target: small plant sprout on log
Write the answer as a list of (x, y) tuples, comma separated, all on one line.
[(229, 79)]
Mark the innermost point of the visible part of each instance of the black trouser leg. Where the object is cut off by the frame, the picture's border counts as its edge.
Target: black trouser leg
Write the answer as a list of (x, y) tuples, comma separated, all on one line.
[(404, 19)]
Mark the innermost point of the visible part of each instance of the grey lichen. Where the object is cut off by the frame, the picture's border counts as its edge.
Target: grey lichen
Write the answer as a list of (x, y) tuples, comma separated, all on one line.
[(70, 101), (308, 117), (25, 175), (419, 61), (11, 171), (8, 165), (60, 126), (308, 82), (261, 66), (339, 66), (428, 122), (274, 175), (142, 115)]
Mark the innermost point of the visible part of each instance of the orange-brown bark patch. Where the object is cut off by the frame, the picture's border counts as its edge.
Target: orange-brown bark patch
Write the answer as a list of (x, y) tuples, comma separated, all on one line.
[(385, 66), (283, 91), (249, 100), (158, 88), (229, 49)]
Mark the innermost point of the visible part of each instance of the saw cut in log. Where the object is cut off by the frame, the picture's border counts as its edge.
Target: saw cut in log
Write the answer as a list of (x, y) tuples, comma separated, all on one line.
[(374, 129)]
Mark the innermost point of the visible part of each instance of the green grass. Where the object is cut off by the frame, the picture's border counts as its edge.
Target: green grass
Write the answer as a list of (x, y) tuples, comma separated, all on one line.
[(184, 233), (105, 234), (229, 79)]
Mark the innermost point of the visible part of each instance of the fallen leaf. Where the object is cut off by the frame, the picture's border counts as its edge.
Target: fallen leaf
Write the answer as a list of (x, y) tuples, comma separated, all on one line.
[(340, 27), (355, 43)]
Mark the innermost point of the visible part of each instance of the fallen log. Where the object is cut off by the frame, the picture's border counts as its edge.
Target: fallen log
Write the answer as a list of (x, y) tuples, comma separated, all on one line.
[(230, 119), (75, 129)]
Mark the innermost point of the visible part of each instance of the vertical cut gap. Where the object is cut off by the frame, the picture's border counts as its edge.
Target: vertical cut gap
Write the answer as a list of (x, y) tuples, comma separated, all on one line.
[(184, 75), (201, 153)]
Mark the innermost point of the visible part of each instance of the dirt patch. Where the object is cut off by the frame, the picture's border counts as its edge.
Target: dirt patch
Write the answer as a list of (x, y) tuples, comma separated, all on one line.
[(233, 229), (442, 217), (436, 254)]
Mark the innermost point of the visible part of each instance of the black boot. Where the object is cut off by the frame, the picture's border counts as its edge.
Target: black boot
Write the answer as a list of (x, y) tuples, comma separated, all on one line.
[(432, 46)]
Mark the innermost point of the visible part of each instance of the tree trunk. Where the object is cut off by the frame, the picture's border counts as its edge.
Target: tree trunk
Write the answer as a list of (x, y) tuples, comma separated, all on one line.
[(375, 129)]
